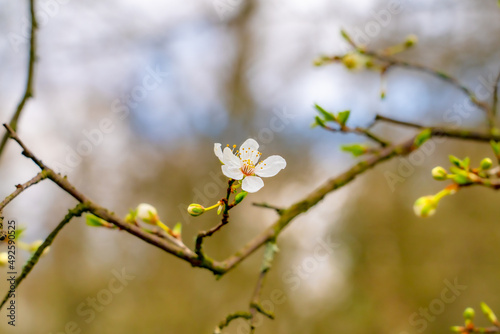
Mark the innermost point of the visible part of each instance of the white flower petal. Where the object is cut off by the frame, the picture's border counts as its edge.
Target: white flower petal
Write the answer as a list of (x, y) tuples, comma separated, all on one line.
[(271, 166), (249, 150), (218, 152), (252, 184), (232, 172), (230, 158)]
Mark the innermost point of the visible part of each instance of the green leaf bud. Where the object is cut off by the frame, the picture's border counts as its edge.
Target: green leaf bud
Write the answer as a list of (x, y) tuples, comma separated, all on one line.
[(489, 313), (343, 116), (240, 196), (422, 137), (486, 164), (355, 149)]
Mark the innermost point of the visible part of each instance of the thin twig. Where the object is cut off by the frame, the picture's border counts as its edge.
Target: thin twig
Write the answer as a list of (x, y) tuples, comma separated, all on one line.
[(255, 305), (391, 62), (494, 107), (267, 206), (360, 131), (21, 187), (28, 91), (224, 221), (77, 211), (444, 132), (233, 316)]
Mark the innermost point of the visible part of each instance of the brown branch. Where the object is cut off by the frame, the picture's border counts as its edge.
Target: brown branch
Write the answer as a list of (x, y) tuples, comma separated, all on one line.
[(272, 232), (181, 252), (21, 187), (28, 91)]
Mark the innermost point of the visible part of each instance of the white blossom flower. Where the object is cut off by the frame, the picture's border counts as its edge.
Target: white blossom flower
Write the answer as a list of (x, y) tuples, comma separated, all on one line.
[(243, 164)]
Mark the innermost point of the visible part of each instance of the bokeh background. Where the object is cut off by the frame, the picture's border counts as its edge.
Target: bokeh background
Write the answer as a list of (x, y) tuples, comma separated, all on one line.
[(230, 70)]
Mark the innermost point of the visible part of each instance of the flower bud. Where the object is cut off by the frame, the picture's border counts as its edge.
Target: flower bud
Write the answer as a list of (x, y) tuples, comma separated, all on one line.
[(486, 164), (411, 40), (4, 258), (439, 173), (195, 209), (147, 213), (469, 314), (352, 61), (238, 198), (425, 206)]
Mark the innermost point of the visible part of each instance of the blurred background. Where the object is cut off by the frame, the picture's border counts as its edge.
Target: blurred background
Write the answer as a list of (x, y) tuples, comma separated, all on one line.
[(130, 98)]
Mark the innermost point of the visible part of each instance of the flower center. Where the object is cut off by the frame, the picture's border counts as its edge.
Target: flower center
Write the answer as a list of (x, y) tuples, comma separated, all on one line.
[(248, 168)]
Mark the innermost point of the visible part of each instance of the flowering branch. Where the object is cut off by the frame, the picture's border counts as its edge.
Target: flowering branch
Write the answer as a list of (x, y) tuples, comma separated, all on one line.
[(28, 91)]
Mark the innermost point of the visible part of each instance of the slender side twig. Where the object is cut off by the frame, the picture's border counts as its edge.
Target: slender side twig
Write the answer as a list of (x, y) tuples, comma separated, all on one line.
[(76, 212), (224, 221), (233, 316), (360, 131), (28, 91), (494, 107), (21, 187), (255, 305), (267, 206), (444, 132)]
